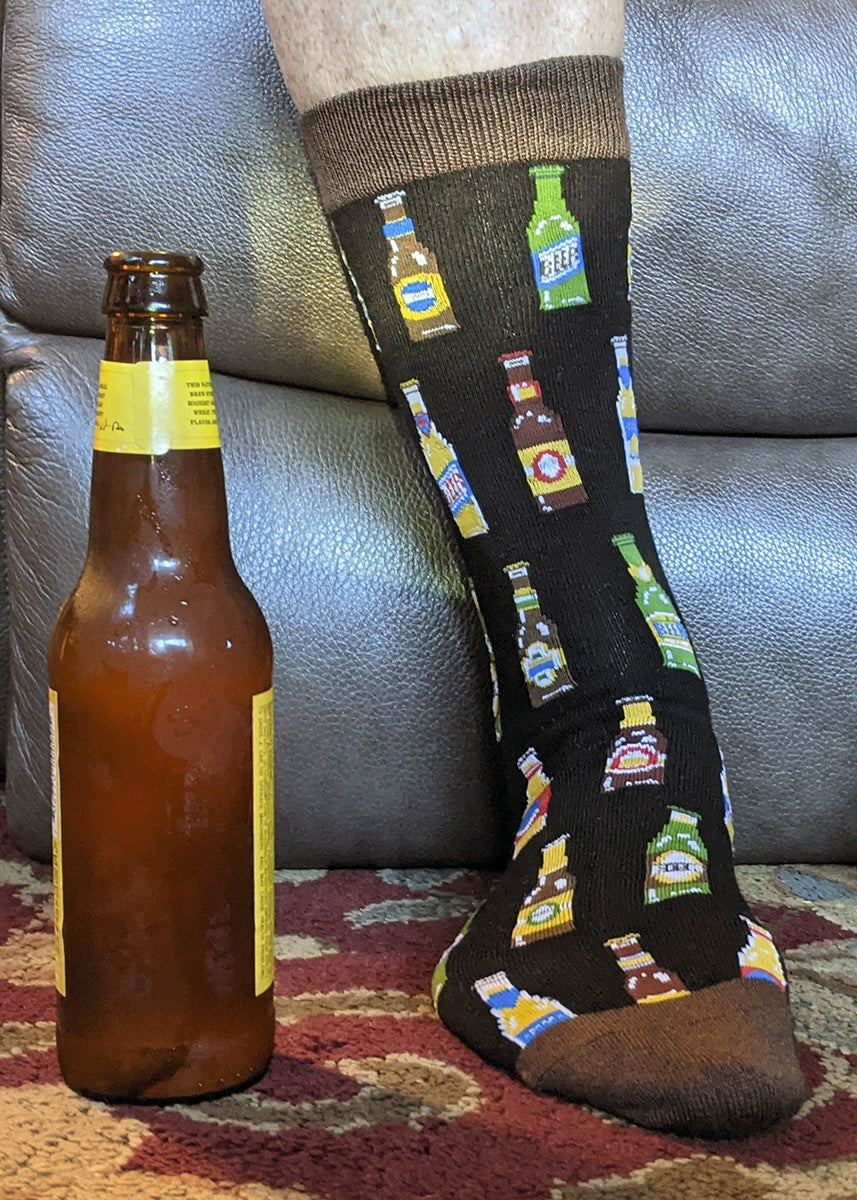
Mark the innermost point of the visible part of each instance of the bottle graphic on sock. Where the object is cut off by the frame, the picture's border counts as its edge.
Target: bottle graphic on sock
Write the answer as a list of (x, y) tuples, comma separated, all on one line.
[(727, 800), (677, 859), (547, 910), (645, 981), (556, 247), (492, 663), (538, 796), (542, 656), (528, 217), (759, 959), (521, 1017), (445, 467), (638, 754), (414, 274), (540, 439), (626, 410), (439, 975), (655, 605)]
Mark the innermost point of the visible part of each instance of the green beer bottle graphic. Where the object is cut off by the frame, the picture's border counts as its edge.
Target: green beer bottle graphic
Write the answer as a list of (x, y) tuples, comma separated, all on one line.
[(677, 860), (656, 606), (556, 247)]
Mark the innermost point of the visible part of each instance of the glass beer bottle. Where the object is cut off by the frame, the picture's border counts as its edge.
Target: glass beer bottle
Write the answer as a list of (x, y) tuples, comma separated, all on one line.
[(161, 719)]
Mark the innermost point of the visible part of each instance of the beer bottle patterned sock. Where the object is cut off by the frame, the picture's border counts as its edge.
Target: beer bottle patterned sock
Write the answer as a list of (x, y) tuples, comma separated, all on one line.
[(484, 221)]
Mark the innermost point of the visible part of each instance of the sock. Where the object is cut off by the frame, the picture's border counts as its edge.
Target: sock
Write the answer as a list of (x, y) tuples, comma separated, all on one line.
[(483, 221)]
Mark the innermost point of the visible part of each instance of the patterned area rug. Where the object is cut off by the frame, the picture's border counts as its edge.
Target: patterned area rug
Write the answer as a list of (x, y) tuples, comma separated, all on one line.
[(369, 1098)]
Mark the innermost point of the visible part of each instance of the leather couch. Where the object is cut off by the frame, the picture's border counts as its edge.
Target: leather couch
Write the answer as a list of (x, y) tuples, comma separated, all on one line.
[(168, 125)]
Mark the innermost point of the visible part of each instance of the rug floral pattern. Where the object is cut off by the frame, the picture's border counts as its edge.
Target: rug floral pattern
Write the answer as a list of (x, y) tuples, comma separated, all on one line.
[(369, 1098)]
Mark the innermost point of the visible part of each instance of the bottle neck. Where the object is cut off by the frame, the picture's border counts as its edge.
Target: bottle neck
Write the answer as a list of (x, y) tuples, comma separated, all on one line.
[(157, 513), (549, 192)]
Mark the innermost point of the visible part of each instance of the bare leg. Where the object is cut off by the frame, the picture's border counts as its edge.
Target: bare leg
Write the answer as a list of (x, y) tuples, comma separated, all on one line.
[(326, 47)]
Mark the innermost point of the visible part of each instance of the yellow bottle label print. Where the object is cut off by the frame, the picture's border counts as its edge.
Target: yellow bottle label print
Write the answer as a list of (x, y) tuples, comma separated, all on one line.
[(421, 296), (154, 407), (263, 836), (550, 467), (56, 841)]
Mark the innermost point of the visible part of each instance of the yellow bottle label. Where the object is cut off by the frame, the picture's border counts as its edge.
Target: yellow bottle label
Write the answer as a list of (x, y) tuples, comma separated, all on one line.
[(263, 836), (550, 467), (56, 840), (153, 407), (421, 296)]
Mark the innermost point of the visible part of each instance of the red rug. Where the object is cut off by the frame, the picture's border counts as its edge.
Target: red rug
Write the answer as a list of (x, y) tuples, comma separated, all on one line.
[(369, 1098)]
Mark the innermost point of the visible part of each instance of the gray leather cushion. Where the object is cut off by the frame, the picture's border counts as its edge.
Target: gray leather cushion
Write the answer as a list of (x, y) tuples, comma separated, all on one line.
[(384, 745), (384, 740), (168, 124), (743, 117)]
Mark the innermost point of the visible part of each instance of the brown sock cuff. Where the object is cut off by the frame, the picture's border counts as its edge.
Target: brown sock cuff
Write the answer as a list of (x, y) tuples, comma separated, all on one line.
[(561, 109)]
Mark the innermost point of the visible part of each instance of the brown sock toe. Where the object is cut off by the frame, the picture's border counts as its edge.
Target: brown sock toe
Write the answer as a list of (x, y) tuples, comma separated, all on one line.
[(718, 1063)]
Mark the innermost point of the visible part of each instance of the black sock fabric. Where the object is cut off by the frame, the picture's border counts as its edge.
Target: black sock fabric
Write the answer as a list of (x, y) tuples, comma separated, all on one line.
[(496, 293)]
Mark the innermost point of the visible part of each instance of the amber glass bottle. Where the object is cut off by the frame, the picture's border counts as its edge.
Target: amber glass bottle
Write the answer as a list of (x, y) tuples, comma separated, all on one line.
[(161, 717)]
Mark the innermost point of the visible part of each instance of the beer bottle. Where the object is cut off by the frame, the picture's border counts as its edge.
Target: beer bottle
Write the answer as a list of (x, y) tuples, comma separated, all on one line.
[(626, 410), (414, 274), (542, 656), (538, 799), (653, 602), (445, 467), (759, 957), (638, 754), (645, 981), (520, 1016), (556, 248), (540, 440), (677, 859), (548, 910), (161, 719)]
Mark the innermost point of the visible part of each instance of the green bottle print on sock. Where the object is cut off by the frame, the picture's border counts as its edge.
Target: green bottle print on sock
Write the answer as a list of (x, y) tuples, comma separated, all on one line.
[(677, 860), (556, 248), (439, 976), (656, 606), (548, 910)]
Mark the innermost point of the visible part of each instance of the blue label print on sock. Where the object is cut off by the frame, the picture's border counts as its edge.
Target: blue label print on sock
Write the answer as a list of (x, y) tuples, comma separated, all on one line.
[(670, 628), (531, 1032), (559, 261), (456, 490), (393, 229), (419, 296)]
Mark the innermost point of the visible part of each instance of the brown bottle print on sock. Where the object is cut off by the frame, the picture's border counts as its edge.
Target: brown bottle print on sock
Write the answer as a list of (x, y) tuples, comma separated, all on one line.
[(638, 754), (540, 439), (543, 659), (414, 274), (645, 981)]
